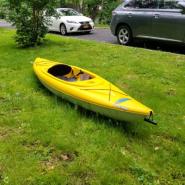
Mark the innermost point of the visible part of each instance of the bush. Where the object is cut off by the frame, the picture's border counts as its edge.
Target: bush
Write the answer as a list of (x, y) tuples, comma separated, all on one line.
[(28, 17), (2, 9), (106, 14)]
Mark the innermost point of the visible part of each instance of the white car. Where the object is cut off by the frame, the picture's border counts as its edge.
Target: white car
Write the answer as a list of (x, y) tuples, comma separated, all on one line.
[(69, 21)]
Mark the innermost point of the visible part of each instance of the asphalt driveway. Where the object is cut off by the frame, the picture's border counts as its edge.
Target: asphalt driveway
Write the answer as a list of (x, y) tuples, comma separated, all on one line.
[(5, 24), (104, 35), (99, 34)]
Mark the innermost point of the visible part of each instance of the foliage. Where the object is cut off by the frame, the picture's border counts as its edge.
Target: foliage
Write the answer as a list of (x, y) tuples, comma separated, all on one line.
[(98, 10), (2, 9), (28, 17), (106, 13), (38, 130), (92, 7)]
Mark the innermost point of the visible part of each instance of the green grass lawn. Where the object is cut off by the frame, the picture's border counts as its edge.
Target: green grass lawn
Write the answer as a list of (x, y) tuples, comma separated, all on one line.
[(45, 141)]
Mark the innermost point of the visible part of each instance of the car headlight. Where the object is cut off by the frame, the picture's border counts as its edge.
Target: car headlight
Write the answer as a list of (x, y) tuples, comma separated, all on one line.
[(73, 22)]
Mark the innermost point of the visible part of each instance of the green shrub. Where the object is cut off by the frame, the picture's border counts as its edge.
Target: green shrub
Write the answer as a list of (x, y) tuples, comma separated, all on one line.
[(2, 9), (30, 21)]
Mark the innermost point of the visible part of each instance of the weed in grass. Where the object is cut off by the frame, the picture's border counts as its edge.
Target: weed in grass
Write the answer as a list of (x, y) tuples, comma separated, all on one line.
[(143, 176)]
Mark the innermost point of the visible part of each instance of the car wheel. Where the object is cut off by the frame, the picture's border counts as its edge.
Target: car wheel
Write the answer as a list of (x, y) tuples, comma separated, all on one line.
[(63, 30), (124, 35)]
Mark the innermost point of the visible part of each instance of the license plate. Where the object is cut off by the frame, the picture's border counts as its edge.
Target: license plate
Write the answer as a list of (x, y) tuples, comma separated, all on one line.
[(85, 26)]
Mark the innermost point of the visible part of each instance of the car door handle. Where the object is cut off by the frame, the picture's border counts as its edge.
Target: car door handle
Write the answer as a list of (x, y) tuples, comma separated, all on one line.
[(156, 16), (129, 14)]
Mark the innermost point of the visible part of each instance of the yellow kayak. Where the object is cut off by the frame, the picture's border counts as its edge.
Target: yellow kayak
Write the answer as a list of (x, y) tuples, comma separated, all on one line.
[(90, 91)]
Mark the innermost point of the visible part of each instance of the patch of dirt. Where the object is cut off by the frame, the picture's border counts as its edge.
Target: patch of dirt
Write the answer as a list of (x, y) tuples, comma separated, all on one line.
[(50, 157), (67, 156), (7, 132), (56, 159), (174, 176), (16, 110), (171, 92), (31, 145)]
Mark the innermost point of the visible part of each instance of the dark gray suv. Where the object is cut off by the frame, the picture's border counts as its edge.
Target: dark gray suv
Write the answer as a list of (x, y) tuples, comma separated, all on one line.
[(149, 19)]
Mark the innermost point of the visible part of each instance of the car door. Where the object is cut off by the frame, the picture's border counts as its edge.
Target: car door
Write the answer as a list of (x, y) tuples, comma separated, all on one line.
[(169, 21), (142, 22), (139, 16), (55, 23)]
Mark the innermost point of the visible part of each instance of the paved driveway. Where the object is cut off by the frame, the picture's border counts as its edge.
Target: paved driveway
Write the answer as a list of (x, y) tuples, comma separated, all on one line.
[(5, 24), (104, 35), (99, 34)]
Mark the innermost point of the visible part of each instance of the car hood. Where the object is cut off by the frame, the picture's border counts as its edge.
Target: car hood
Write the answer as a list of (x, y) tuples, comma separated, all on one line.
[(75, 18)]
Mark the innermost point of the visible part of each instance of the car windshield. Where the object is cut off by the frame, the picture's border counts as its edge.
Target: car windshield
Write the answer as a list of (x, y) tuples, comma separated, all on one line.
[(159, 4), (69, 12)]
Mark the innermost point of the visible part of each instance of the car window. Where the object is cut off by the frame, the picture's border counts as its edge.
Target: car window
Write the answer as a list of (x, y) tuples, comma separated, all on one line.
[(129, 4), (168, 4), (150, 4), (69, 12)]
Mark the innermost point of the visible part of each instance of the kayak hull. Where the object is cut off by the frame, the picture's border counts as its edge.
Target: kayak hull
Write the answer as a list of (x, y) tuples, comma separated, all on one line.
[(111, 113)]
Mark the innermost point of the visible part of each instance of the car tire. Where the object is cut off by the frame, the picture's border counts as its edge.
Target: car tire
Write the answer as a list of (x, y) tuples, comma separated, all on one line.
[(124, 35), (63, 30)]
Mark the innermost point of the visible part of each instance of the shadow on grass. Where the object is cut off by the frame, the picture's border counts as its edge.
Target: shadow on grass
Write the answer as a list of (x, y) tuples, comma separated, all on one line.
[(129, 129), (178, 48), (138, 129)]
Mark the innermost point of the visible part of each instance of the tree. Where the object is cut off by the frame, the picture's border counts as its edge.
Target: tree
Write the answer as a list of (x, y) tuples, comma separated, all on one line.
[(97, 9), (107, 7), (2, 9), (29, 18)]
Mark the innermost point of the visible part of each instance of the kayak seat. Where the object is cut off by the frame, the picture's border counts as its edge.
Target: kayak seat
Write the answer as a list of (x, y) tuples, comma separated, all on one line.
[(85, 76)]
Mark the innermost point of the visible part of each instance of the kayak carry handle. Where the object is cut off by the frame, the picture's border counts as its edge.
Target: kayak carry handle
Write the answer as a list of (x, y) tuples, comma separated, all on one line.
[(150, 119)]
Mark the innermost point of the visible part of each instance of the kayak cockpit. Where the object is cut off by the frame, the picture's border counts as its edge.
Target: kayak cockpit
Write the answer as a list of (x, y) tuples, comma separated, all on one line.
[(68, 73)]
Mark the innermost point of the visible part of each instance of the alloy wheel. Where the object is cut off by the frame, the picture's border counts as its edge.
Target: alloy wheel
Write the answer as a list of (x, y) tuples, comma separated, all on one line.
[(63, 29), (124, 35)]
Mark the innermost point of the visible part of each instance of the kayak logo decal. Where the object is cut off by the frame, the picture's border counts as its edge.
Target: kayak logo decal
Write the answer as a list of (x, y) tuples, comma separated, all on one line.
[(121, 101)]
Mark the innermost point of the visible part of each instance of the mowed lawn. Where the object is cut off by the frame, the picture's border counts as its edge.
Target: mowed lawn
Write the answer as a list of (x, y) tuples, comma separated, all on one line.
[(44, 140)]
